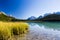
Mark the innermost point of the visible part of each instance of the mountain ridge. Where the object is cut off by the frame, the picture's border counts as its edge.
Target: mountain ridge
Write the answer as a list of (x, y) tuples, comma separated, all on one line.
[(49, 17)]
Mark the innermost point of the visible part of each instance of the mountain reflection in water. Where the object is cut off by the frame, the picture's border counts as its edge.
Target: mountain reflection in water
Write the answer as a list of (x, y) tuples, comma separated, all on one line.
[(45, 31)]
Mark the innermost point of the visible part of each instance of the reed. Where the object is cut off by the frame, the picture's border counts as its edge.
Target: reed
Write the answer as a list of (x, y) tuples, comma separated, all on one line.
[(8, 29)]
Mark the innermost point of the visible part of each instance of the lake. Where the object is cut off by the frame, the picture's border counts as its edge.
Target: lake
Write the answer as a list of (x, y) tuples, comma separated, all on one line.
[(43, 31)]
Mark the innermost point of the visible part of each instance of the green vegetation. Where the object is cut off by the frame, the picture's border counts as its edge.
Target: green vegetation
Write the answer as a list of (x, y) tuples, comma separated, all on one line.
[(4, 17)]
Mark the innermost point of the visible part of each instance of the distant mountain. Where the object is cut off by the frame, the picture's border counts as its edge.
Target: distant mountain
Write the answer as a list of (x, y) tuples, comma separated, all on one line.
[(51, 17), (39, 18), (31, 18), (48, 17), (58, 13), (4, 17)]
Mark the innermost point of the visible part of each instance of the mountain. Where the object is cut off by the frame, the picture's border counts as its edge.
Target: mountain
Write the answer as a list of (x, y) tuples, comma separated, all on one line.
[(39, 18), (47, 17), (31, 18), (51, 17), (4, 17), (58, 13)]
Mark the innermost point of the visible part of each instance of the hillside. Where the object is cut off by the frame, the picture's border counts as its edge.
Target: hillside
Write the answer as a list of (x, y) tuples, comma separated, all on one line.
[(4, 17)]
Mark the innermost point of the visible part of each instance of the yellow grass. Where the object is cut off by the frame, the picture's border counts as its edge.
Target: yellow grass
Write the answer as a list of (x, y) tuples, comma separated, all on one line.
[(8, 29)]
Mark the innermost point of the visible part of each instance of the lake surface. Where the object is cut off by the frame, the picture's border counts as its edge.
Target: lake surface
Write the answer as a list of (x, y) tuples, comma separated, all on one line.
[(43, 31)]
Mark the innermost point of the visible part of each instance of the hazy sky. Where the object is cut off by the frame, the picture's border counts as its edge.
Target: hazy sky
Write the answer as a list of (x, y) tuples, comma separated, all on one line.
[(25, 8)]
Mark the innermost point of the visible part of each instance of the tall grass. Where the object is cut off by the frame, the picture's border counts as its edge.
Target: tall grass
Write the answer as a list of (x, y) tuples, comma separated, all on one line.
[(8, 29)]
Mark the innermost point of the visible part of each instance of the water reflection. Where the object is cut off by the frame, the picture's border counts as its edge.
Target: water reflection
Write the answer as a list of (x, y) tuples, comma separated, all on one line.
[(54, 25), (44, 27), (46, 30)]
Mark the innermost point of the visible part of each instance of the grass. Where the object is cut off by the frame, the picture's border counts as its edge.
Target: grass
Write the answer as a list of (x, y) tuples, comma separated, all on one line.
[(8, 29)]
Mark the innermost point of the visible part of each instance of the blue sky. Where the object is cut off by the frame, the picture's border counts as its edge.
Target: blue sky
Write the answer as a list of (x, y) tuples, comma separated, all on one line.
[(23, 9)]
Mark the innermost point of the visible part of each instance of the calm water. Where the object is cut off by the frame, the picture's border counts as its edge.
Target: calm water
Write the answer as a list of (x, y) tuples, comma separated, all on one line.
[(47, 25), (43, 31)]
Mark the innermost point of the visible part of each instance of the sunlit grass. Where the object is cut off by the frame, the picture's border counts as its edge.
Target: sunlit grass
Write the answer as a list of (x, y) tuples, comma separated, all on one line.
[(8, 29)]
